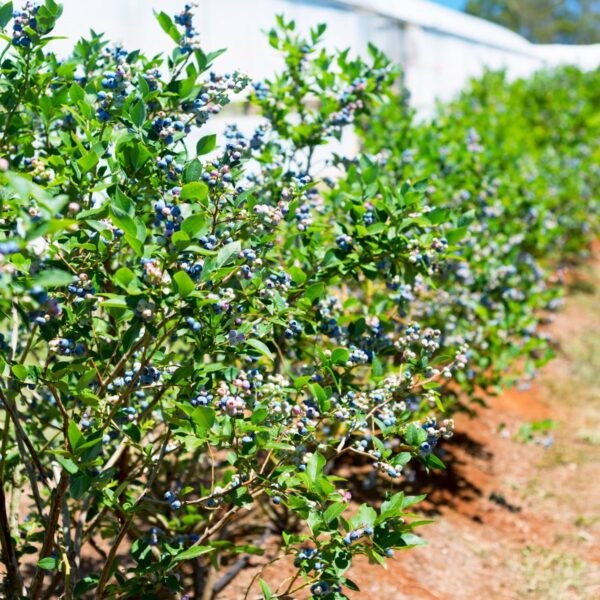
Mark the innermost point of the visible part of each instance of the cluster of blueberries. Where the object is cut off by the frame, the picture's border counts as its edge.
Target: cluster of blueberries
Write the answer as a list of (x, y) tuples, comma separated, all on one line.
[(170, 167), (192, 266), (293, 329), (48, 307), (310, 201), (148, 376), (67, 347), (168, 216), (235, 337), (173, 501), (190, 41), (193, 324), (116, 83), (344, 242), (350, 101), (40, 173), (82, 287), (167, 127), (356, 534), (156, 533), (22, 20), (9, 247), (213, 95), (203, 398), (217, 175), (322, 588)]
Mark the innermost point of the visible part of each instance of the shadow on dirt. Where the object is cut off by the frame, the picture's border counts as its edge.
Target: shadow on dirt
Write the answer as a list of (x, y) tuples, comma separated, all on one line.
[(444, 487)]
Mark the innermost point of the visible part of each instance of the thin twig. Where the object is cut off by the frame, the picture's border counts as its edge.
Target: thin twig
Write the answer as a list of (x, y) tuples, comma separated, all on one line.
[(106, 571), (48, 544)]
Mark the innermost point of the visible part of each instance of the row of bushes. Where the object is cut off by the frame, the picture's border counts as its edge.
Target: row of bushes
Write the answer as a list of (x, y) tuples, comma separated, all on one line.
[(521, 160), (198, 342)]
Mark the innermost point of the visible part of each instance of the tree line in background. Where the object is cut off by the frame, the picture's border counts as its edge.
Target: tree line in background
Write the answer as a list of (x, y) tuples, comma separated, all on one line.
[(544, 21)]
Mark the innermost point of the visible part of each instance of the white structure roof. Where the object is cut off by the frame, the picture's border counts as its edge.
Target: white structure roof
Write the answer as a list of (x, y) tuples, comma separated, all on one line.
[(439, 18)]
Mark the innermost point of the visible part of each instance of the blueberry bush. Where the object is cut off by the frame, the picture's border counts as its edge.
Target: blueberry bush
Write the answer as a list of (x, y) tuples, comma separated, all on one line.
[(520, 161), (205, 342)]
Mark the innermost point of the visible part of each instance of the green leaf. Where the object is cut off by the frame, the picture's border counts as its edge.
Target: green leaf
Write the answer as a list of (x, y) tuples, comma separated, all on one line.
[(168, 26), (466, 218), (215, 54), (334, 511), (266, 591), (190, 553), (48, 564), (76, 93), (298, 275), (79, 485), (88, 161), (195, 190), (185, 285), (123, 277), (415, 435), (315, 291), (206, 144), (437, 215), (455, 235), (410, 500), (204, 417), (410, 539), (259, 415), (75, 436), (193, 224), (340, 356), (226, 252), (367, 515), (123, 221), (376, 367), (6, 14), (401, 459), (115, 302), (133, 431), (68, 464), (432, 461), (391, 508), (20, 372), (315, 465), (260, 346), (137, 112), (439, 403), (192, 172), (53, 278)]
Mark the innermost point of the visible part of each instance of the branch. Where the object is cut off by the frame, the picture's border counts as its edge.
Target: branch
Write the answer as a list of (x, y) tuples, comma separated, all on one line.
[(47, 546), (106, 571), (14, 584)]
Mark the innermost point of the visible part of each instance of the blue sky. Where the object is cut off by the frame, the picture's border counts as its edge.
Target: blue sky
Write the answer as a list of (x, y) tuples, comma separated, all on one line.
[(451, 3)]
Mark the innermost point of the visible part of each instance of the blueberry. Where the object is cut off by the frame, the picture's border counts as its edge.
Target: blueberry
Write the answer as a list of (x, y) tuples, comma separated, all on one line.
[(425, 449)]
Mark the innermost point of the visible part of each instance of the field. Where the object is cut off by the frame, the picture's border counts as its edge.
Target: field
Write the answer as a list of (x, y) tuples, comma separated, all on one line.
[(252, 366)]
